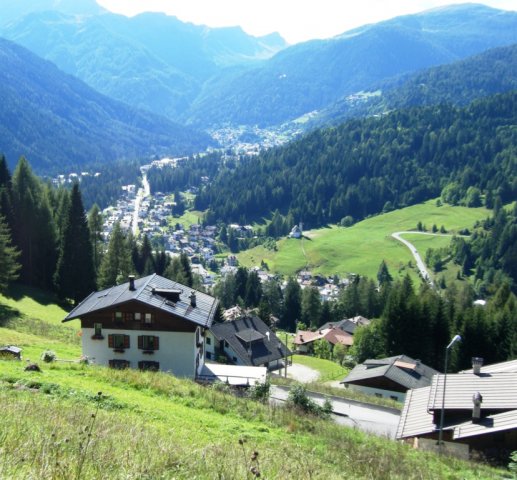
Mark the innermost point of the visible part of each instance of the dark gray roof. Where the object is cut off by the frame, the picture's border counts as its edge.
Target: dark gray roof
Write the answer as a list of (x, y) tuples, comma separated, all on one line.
[(249, 335), (252, 352), (401, 369), (202, 314), (348, 325)]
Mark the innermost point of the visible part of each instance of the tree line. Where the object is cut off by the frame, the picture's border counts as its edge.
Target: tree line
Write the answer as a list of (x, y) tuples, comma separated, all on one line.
[(367, 166), (48, 241)]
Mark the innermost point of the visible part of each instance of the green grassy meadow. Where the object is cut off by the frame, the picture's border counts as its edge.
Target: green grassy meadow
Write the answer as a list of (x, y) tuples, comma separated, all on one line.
[(361, 248), (145, 425), (327, 369)]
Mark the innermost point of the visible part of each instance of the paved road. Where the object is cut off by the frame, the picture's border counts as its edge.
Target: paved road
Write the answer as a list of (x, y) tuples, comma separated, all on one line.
[(380, 421), (419, 262), (143, 192)]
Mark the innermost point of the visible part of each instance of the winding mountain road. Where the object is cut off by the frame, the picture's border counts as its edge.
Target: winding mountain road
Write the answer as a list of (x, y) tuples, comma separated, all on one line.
[(419, 262)]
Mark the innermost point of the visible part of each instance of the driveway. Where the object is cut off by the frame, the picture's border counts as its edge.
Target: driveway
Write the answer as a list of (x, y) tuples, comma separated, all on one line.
[(302, 374)]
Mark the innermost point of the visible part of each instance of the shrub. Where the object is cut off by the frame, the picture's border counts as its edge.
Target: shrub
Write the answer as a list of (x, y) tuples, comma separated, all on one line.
[(261, 391), (298, 398), (48, 356), (512, 466)]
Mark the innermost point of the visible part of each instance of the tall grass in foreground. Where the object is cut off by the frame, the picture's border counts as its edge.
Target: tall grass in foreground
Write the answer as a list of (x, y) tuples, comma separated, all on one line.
[(48, 432)]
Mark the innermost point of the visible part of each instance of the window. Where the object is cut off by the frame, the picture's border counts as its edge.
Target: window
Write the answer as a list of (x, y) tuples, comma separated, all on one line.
[(234, 359), (97, 331), (208, 356), (118, 342), (119, 364), (128, 316), (118, 316), (138, 316), (148, 318), (147, 365), (393, 397), (378, 395), (148, 342), (208, 341)]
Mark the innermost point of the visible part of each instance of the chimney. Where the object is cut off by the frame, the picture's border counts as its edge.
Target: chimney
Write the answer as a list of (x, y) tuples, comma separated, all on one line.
[(477, 399), (192, 299), (477, 363), (132, 283)]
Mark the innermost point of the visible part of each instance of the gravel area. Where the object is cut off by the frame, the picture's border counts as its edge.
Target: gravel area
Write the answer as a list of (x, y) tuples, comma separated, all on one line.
[(302, 374)]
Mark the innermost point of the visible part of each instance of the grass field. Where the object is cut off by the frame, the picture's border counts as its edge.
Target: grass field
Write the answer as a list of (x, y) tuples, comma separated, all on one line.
[(327, 369), (146, 425), (361, 248)]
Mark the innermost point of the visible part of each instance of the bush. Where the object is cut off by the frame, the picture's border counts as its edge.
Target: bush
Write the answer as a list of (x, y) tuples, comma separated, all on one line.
[(512, 466), (261, 391), (48, 356), (298, 398)]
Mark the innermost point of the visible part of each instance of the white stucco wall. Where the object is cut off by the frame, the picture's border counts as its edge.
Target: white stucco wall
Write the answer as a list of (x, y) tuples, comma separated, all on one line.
[(177, 352), (400, 397)]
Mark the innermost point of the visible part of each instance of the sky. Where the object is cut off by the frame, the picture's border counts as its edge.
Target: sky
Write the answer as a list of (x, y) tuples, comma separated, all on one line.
[(295, 20)]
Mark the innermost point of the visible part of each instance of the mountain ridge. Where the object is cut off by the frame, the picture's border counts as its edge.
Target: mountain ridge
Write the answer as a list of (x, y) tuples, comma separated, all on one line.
[(56, 120)]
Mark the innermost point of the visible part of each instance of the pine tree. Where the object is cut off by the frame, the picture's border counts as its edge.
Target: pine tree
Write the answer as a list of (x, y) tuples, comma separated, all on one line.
[(253, 290), (34, 233), (116, 264), (292, 305), (75, 273), (383, 275), (311, 307), (95, 228), (6, 194), (9, 266)]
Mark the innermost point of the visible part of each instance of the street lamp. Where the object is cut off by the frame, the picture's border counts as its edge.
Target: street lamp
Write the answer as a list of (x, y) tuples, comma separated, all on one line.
[(456, 338)]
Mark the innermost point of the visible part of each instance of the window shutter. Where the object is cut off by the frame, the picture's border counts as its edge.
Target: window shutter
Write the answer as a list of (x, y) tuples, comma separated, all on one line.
[(156, 343), (110, 340), (126, 341), (140, 342)]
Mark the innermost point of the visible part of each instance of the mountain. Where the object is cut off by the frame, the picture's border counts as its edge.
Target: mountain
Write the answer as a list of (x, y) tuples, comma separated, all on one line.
[(457, 83), (55, 120), (14, 9), (150, 61), (313, 75), (366, 166)]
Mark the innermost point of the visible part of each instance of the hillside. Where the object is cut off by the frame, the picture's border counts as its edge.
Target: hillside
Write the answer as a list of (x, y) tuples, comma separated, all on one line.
[(56, 120), (311, 76), (88, 420), (366, 166), (362, 247), (150, 61), (457, 83)]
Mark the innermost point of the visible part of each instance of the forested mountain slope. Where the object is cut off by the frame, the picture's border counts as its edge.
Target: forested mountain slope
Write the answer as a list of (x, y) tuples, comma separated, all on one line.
[(366, 166), (313, 75), (150, 61), (56, 120), (457, 83)]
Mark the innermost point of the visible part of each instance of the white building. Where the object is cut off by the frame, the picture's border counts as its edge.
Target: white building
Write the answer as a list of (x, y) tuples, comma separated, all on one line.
[(149, 323)]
